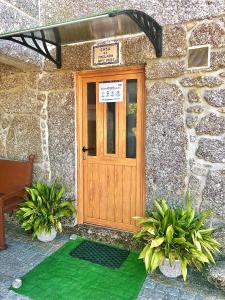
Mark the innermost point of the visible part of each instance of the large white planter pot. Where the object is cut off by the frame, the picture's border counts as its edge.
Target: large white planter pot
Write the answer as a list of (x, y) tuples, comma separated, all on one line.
[(171, 271), (47, 236)]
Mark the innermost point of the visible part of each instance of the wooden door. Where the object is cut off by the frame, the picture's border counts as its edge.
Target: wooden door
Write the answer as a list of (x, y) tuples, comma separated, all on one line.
[(110, 149)]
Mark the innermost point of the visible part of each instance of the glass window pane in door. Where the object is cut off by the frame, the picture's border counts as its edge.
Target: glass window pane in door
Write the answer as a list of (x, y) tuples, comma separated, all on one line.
[(91, 118), (111, 128), (131, 118)]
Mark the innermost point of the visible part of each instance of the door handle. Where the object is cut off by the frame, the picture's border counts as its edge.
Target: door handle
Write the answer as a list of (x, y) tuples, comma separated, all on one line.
[(84, 149)]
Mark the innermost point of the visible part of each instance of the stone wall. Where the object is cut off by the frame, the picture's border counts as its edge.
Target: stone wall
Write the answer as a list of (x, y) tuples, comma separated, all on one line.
[(37, 116), (197, 100), (185, 115)]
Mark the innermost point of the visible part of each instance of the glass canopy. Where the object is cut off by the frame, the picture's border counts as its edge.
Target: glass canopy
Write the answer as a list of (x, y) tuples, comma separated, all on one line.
[(111, 24)]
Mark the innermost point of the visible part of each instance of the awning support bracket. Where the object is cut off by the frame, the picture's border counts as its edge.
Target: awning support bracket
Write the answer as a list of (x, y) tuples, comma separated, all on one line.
[(147, 24), (40, 44)]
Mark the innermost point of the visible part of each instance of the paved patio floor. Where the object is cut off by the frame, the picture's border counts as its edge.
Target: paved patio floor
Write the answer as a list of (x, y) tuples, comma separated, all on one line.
[(23, 254)]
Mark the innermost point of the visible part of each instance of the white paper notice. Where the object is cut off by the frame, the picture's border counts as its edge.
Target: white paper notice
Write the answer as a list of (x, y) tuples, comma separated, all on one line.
[(111, 91)]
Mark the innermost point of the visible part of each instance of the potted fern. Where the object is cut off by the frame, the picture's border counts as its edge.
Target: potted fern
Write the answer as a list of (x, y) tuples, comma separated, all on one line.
[(176, 238), (43, 210)]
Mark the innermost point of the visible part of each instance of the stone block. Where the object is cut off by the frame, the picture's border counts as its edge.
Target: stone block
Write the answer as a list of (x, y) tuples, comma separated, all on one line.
[(18, 20), (191, 121), (166, 164), (213, 193), (24, 138), (18, 101), (193, 96), (192, 9), (174, 41), (158, 68), (18, 80), (7, 69), (136, 50), (211, 125), (76, 57), (215, 97), (212, 150), (201, 81), (217, 60), (197, 168), (30, 7), (55, 81), (197, 109), (31, 80), (207, 33)]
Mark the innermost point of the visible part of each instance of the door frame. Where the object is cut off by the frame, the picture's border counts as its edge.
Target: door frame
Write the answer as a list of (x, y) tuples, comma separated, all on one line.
[(79, 76)]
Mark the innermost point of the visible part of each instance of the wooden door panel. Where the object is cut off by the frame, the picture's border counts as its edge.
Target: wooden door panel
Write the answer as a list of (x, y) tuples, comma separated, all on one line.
[(133, 195), (90, 191), (96, 191), (112, 184), (103, 191), (129, 193), (111, 193), (119, 194)]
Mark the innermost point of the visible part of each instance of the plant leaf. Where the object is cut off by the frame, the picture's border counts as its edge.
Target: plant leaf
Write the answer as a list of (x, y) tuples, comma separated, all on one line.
[(156, 260), (159, 208), (147, 258), (157, 242), (169, 234), (143, 252), (183, 263)]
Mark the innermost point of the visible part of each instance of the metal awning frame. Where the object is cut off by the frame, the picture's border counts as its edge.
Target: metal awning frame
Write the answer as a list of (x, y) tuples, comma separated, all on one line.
[(44, 51), (146, 23)]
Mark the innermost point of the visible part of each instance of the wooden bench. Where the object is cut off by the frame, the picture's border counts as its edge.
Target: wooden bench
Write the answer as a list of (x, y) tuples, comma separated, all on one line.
[(14, 177)]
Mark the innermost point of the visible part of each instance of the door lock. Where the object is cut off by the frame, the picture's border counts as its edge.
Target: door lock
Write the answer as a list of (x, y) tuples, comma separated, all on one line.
[(84, 149)]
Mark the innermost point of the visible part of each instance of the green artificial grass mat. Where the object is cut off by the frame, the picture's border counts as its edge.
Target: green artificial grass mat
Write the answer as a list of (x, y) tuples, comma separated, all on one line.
[(61, 276)]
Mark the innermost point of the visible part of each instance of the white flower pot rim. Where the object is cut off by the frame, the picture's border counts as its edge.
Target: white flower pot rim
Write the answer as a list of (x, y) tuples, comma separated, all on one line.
[(47, 236), (171, 271)]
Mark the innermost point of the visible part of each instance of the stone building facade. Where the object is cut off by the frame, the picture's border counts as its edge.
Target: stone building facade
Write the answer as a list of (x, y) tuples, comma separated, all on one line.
[(185, 109)]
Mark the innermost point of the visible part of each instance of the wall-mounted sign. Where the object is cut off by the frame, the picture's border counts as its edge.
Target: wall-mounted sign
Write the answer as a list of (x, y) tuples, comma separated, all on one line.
[(111, 91), (107, 54)]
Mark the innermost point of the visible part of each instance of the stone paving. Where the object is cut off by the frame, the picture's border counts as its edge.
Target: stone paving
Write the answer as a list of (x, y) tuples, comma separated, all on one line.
[(23, 254), (157, 287)]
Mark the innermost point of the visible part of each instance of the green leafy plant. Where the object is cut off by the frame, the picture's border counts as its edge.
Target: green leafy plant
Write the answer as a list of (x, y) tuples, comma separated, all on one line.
[(44, 208), (176, 234)]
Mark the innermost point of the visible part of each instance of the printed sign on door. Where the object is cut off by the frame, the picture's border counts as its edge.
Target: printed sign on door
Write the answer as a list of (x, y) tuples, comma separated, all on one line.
[(111, 91)]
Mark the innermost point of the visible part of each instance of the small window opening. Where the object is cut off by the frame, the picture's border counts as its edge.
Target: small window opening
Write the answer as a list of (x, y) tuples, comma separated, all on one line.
[(199, 57)]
